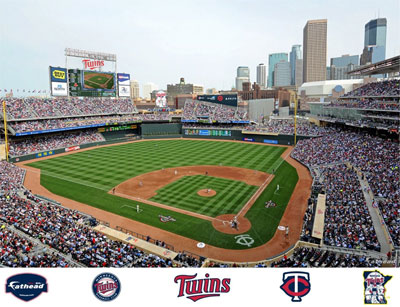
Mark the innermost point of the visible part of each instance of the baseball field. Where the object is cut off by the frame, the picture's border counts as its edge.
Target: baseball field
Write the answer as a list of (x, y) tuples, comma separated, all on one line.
[(200, 185), (98, 80)]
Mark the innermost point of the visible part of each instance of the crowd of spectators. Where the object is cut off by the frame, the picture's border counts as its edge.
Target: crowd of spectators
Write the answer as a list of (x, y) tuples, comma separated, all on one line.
[(52, 142), (286, 126), (62, 229), (16, 251), (366, 103), (21, 108), (194, 110), (378, 160), (313, 257), (59, 123), (347, 220), (381, 88)]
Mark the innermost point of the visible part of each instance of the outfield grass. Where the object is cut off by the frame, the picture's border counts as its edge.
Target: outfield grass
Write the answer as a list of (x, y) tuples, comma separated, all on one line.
[(87, 176)]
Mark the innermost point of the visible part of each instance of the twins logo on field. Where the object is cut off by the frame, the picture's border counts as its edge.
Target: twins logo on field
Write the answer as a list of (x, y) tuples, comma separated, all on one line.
[(374, 287), (296, 285), (26, 286), (106, 287)]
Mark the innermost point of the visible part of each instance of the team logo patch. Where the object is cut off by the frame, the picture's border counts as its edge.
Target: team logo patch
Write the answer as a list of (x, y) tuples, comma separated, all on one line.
[(296, 285), (374, 287), (106, 287), (26, 286), (165, 219), (196, 289)]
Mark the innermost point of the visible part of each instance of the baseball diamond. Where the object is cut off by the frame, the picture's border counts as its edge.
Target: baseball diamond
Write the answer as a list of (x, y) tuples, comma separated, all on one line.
[(89, 176)]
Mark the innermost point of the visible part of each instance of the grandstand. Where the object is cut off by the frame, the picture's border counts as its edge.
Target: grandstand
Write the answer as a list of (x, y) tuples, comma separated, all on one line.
[(352, 155)]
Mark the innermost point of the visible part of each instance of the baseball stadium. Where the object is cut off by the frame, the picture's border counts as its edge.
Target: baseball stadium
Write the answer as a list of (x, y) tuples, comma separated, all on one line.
[(93, 180)]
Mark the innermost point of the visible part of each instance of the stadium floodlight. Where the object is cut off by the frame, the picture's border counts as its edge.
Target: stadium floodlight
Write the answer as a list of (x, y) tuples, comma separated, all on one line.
[(90, 54)]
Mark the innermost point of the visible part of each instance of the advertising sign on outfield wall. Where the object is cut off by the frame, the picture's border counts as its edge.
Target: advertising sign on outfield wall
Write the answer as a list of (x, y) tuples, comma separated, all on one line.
[(59, 89), (271, 141)]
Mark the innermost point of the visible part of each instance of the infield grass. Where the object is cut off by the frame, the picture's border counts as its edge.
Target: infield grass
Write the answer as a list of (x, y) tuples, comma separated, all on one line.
[(88, 176)]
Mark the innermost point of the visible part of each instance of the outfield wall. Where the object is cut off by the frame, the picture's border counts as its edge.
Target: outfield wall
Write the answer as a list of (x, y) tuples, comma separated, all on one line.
[(160, 129), (238, 135)]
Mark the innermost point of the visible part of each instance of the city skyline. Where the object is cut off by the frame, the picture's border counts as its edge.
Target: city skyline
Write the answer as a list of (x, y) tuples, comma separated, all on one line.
[(159, 49)]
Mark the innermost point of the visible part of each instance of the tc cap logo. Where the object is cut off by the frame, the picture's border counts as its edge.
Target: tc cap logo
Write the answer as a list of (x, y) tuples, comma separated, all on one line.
[(106, 287), (374, 287), (296, 285), (27, 286)]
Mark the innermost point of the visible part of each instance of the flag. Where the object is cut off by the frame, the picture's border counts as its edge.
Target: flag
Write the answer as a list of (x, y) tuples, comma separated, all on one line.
[(39, 91), (5, 90)]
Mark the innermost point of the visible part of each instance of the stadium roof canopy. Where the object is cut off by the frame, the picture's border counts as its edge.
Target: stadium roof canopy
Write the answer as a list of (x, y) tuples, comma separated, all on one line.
[(391, 65)]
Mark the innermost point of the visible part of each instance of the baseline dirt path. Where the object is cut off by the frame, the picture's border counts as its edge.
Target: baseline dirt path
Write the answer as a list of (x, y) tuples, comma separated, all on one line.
[(293, 217)]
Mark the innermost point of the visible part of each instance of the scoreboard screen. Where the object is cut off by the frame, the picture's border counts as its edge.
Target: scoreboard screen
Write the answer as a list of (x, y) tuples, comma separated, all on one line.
[(91, 84), (208, 132)]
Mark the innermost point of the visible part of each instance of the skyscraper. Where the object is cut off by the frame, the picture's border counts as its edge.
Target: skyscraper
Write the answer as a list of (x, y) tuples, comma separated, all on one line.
[(261, 75), (282, 73), (341, 65), (272, 60), (299, 72), (314, 52), (375, 36), (295, 54), (135, 89), (147, 89), (242, 75)]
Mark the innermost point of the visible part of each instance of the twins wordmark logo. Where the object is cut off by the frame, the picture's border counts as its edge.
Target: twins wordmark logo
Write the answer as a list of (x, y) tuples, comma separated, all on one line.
[(374, 287), (26, 286), (296, 285), (196, 289), (106, 287)]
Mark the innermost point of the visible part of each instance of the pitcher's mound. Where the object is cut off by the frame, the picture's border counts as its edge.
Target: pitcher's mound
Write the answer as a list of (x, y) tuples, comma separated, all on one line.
[(206, 192)]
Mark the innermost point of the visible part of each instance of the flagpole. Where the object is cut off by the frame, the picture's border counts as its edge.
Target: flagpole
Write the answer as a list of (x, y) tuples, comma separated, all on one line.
[(5, 127)]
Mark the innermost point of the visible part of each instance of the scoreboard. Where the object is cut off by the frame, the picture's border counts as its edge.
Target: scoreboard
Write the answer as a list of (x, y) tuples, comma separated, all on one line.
[(207, 132), (77, 86)]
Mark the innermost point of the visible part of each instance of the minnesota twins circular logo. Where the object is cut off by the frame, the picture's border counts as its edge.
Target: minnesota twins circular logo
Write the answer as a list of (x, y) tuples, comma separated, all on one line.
[(106, 287)]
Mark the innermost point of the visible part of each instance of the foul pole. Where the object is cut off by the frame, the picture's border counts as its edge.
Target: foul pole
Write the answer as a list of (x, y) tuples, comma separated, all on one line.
[(295, 120), (5, 128)]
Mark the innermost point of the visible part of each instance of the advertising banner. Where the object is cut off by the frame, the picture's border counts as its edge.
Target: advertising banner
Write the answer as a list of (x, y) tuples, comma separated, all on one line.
[(59, 89), (72, 148), (123, 79), (248, 139), (44, 154), (271, 141), (230, 100), (58, 74), (124, 91)]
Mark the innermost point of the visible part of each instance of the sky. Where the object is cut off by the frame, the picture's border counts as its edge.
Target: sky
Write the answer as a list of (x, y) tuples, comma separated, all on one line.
[(156, 41)]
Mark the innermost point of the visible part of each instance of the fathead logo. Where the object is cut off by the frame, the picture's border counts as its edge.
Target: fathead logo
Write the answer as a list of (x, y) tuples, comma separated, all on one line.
[(296, 285), (26, 287), (59, 74), (196, 289), (92, 64), (106, 287)]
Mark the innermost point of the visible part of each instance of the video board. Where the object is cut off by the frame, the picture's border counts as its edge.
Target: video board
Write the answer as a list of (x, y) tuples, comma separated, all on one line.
[(207, 132), (91, 83)]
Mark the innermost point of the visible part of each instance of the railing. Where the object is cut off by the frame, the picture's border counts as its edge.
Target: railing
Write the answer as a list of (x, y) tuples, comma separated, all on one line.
[(145, 238)]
